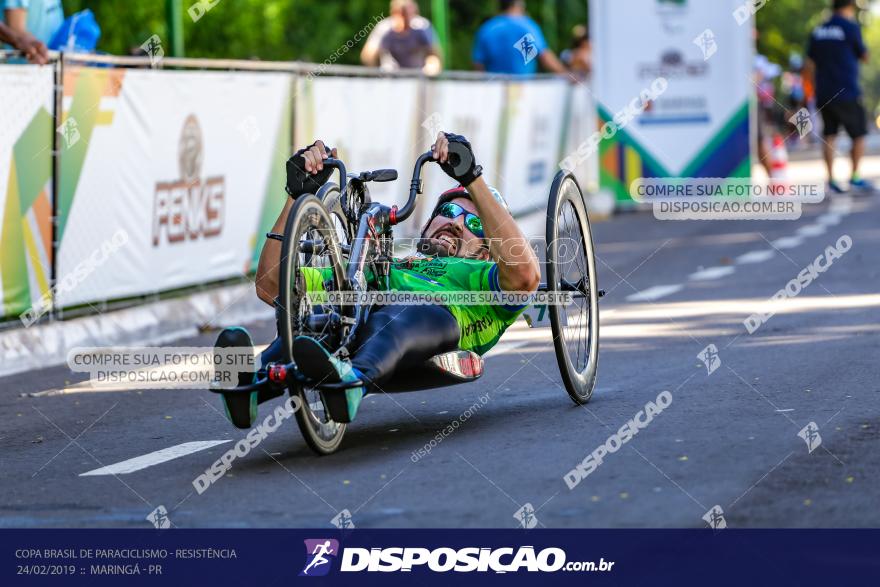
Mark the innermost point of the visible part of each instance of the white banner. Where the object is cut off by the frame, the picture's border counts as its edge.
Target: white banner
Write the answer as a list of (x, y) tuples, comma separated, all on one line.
[(171, 185), (372, 122), (582, 123), (472, 109), (532, 150)]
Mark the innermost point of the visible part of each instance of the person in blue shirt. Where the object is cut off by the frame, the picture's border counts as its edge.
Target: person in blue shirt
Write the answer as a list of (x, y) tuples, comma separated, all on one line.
[(41, 18), (512, 43), (835, 49)]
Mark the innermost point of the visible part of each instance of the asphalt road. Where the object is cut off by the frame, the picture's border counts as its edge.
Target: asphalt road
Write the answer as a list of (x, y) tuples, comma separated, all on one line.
[(728, 439)]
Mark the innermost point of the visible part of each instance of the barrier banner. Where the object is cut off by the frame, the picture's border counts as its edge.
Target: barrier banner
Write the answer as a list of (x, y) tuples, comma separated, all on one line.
[(532, 144), (168, 179), (26, 95), (472, 109), (371, 121), (695, 126), (169, 555), (581, 122)]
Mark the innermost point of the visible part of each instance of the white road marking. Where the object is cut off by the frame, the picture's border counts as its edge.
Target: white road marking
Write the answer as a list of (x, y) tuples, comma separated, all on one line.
[(654, 293), (506, 347), (841, 205), (788, 242), (154, 458), (755, 257), (830, 219), (711, 273), (812, 230), (786, 410)]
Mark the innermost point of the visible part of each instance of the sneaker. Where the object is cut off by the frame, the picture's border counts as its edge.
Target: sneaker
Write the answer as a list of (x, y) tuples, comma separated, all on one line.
[(240, 408), (835, 188), (863, 185), (318, 364)]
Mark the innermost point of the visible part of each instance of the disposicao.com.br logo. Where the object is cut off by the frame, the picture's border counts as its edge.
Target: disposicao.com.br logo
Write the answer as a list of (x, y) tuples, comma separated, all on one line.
[(442, 560)]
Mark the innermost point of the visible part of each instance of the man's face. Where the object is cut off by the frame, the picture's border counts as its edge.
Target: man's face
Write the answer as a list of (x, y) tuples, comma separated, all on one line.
[(404, 13), (449, 237)]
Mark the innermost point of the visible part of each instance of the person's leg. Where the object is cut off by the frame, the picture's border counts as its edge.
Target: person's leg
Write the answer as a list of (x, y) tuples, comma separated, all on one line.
[(830, 128), (857, 128), (828, 156), (396, 335), (858, 151), (391, 336)]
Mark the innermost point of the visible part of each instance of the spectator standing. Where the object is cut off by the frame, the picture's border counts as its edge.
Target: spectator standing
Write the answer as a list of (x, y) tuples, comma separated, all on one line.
[(41, 18), (835, 49), (513, 43), (371, 53), (406, 47), (579, 58)]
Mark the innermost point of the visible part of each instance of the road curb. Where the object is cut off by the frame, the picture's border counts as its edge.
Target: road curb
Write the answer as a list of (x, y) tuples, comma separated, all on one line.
[(47, 344)]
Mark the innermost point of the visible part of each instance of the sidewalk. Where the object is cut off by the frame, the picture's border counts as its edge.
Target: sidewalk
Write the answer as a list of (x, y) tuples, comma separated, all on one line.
[(811, 169), (842, 145)]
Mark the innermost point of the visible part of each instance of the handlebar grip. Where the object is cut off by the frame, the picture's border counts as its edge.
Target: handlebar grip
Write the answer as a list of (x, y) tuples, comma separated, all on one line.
[(415, 189), (340, 167)]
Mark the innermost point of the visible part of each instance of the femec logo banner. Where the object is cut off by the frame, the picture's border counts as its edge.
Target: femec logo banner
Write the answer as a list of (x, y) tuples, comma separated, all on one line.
[(188, 165), (535, 115), (673, 83)]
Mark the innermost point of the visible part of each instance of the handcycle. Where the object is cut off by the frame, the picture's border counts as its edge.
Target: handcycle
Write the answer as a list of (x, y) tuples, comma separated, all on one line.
[(341, 228)]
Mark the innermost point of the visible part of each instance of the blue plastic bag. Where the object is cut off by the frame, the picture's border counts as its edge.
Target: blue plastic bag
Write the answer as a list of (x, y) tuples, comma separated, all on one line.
[(78, 33)]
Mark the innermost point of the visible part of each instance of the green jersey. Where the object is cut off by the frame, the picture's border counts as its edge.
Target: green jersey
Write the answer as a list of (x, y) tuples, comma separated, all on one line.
[(481, 325)]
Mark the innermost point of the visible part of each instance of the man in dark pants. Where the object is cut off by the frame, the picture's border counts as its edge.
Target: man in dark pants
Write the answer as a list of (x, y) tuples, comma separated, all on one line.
[(834, 51), (470, 244)]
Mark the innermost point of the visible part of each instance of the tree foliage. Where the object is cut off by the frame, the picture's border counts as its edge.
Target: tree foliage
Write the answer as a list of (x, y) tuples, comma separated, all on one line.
[(312, 30), (303, 30), (785, 25)]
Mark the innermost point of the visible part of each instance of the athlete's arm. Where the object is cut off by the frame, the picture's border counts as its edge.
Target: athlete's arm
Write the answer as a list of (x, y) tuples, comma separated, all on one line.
[(518, 268), (311, 160)]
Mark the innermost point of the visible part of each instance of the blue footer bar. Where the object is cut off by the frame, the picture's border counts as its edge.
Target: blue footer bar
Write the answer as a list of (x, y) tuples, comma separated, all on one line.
[(399, 557)]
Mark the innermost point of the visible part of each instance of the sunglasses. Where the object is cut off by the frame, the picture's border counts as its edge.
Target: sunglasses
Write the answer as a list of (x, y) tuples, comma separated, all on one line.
[(452, 211)]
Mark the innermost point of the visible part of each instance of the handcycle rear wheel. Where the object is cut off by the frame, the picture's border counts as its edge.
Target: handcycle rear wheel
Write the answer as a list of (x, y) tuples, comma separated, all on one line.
[(571, 266), (310, 240)]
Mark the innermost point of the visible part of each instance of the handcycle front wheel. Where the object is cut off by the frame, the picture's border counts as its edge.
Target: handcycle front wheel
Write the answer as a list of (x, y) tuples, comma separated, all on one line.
[(571, 267), (310, 241)]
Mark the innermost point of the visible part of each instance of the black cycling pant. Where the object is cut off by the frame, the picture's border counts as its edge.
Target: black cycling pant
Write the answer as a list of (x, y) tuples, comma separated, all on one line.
[(394, 335), (402, 335)]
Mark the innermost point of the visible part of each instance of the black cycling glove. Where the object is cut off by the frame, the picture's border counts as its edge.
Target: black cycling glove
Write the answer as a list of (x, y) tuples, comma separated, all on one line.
[(300, 181), (461, 165)]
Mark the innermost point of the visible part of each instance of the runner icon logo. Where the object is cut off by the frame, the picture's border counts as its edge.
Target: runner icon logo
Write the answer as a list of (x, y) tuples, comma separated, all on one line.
[(526, 516), (343, 520), (710, 357), (706, 42), (319, 555), (715, 518), (528, 46), (810, 435), (159, 518)]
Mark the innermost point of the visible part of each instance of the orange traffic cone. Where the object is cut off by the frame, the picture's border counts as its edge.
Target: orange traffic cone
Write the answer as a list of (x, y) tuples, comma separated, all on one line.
[(778, 166)]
